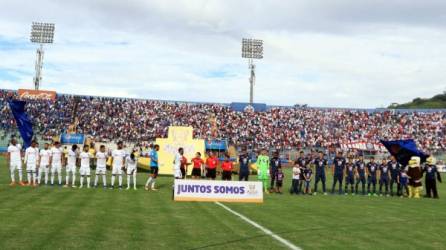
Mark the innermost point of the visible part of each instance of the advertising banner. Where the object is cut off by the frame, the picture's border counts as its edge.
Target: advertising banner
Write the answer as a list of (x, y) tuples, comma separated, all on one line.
[(216, 145), (37, 94), (72, 138), (225, 191)]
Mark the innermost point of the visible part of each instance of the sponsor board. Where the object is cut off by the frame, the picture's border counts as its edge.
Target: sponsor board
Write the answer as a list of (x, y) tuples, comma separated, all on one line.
[(72, 138), (36, 94), (224, 191)]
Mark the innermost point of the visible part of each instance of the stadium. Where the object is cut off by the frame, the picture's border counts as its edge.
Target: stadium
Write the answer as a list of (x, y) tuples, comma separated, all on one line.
[(231, 165)]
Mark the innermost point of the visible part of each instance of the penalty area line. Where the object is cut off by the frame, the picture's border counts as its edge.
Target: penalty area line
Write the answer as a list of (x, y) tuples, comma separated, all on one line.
[(263, 229)]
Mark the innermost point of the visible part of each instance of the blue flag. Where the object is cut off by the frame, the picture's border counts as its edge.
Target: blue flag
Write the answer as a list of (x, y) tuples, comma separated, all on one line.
[(23, 122), (403, 150)]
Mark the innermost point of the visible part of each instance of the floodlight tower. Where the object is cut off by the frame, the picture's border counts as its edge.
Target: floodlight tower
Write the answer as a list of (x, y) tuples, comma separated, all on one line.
[(41, 33), (252, 49)]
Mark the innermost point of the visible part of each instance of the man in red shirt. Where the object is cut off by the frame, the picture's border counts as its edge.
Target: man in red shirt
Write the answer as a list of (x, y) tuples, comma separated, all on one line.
[(226, 166), (197, 164), (211, 166)]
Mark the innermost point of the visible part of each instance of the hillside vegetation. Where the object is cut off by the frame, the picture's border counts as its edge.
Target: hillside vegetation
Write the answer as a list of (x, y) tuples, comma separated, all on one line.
[(436, 102)]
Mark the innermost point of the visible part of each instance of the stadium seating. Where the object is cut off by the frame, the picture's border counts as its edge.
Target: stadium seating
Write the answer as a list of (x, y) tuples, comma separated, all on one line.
[(277, 128)]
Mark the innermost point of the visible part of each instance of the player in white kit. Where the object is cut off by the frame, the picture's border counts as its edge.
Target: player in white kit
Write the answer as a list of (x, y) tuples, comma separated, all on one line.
[(70, 169), (44, 163), (31, 161), (118, 157), (101, 166), (85, 166), (131, 163), (15, 161), (177, 164), (56, 162)]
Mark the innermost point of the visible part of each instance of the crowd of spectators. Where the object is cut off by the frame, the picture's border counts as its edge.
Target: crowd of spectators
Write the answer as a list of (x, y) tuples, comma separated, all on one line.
[(136, 120)]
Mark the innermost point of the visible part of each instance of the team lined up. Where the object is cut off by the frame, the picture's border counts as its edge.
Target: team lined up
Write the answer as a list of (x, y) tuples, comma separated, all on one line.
[(40, 164), (354, 173)]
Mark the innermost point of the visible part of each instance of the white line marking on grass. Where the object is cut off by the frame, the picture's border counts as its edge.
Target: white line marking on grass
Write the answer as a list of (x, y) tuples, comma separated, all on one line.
[(263, 229)]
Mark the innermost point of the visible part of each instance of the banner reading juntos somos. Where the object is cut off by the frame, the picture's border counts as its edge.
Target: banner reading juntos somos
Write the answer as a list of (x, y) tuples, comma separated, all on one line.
[(225, 191), (177, 137)]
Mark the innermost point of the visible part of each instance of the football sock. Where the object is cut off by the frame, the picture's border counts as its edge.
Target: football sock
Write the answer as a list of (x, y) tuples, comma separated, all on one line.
[(149, 181), (104, 180), (112, 180), (88, 181), (120, 180)]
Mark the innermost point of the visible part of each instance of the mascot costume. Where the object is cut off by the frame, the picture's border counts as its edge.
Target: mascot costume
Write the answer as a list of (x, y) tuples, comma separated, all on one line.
[(415, 174), (262, 164), (432, 175)]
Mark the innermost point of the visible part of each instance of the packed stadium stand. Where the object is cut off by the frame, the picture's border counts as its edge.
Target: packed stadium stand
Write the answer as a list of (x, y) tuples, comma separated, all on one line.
[(279, 128)]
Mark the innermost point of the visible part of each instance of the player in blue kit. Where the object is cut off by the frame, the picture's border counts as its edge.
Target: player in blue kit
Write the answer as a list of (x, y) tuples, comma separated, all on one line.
[(302, 161), (273, 166), (154, 168), (384, 177), (338, 171), (360, 170), (349, 176), (395, 169), (320, 164), (372, 169)]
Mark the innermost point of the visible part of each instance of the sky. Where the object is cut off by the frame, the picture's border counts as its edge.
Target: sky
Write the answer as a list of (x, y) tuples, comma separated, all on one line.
[(357, 54)]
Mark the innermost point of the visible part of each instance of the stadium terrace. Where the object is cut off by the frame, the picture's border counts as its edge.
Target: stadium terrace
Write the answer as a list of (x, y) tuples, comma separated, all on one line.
[(278, 128)]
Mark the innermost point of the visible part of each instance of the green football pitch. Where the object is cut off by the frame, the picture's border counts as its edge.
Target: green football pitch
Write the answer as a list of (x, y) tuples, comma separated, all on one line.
[(57, 218)]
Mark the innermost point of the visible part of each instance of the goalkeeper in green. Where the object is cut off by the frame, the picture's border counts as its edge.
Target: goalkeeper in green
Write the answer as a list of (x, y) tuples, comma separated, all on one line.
[(263, 169)]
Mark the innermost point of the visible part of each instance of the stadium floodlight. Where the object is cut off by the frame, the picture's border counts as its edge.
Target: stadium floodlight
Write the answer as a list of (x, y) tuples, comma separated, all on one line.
[(252, 49), (41, 33)]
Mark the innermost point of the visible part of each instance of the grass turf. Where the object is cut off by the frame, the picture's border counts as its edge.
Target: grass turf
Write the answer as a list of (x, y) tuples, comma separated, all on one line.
[(58, 218)]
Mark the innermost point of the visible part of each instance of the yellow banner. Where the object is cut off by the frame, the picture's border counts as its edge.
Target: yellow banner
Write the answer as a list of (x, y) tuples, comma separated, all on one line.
[(177, 137)]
